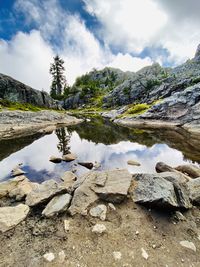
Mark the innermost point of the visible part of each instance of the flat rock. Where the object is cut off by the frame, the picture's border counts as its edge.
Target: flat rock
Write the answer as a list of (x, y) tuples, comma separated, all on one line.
[(133, 162), (69, 157), (58, 204), (11, 216), (188, 244), (153, 190), (55, 159), (44, 192), (116, 186), (99, 212), (194, 190)]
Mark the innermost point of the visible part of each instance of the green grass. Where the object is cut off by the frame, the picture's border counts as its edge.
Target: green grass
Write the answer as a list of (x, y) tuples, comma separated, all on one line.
[(137, 109)]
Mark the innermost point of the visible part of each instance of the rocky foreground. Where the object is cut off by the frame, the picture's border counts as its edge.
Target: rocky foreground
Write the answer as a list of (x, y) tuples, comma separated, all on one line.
[(109, 218), (15, 124)]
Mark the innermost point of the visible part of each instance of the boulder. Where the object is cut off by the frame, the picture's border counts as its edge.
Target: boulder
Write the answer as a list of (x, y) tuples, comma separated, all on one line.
[(68, 179), (116, 186), (194, 190), (189, 169), (11, 216), (153, 190), (69, 157), (55, 159), (111, 186), (7, 186), (58, 204), (44, 192)]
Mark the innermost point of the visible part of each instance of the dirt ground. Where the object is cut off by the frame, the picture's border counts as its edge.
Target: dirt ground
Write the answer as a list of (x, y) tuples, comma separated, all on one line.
[(129, 229)]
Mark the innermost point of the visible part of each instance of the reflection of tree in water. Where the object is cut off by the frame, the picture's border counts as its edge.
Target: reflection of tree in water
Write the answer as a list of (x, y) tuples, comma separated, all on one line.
[(64, 137)]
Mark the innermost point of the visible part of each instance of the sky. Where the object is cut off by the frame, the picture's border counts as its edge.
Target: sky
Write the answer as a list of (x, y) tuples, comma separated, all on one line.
[(87, 34)]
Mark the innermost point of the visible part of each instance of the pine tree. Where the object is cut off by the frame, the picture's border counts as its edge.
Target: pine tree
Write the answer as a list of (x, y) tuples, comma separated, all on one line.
[(59, 82)]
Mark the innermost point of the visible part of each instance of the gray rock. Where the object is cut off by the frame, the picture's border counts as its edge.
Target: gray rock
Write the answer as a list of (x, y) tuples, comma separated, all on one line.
[(11, 216), (194, 190), (44, 192), (99, 212), (57, 205), (69, 179), (151, 189), (16, 91), (116, 186)]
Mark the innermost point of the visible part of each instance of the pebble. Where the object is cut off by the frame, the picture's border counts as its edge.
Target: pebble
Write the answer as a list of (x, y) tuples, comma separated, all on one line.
[(49, 257), (99, 212), (137, 232), (66, 225), (154, 246), (188, 244), (99, 228), (61, 256), (110, 205), (144, 254), (117, 255)]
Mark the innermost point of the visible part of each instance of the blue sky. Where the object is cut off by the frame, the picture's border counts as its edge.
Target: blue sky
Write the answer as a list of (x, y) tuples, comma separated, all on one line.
[(127, 34)]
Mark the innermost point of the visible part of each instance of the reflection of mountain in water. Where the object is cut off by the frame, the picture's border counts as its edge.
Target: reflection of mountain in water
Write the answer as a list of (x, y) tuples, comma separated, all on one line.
[(103, 131)]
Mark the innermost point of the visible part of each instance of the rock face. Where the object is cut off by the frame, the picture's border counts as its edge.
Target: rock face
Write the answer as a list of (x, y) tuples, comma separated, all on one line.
[(194, 189), (57, 204), (154, 190), (16, 91), (11, 216), (44, 192)]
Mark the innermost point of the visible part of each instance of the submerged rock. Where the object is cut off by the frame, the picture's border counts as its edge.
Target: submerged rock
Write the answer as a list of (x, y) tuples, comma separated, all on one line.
[(55, 159), (69, 157), (44, 192), (11, 216), (57, 204), (88, 165)]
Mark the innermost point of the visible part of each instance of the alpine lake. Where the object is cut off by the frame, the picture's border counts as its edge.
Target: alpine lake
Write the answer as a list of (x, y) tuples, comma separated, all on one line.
[(101, 142)]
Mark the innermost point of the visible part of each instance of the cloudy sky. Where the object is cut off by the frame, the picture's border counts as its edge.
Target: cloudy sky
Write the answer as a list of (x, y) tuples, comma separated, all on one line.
[(127, 34)]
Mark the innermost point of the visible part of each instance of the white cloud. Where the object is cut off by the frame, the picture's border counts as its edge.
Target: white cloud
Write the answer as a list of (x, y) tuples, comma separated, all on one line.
[(27, 57), (132, 25)]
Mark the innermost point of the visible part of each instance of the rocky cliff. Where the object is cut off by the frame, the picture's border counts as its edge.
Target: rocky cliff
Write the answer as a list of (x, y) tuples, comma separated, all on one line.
[(16, 91)]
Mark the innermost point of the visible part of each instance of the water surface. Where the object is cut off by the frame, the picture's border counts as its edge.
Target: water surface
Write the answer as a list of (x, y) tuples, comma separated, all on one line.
[(101, 141)]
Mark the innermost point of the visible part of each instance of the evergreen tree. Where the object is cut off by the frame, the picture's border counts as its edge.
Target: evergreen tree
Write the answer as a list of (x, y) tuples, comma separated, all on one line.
[(59, 82)]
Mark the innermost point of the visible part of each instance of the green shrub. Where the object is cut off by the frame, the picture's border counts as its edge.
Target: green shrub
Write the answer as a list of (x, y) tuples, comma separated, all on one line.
[(137, 109)]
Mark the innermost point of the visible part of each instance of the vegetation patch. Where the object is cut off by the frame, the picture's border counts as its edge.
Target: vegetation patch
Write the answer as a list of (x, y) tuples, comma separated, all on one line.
[(137, 109), (4, 103)]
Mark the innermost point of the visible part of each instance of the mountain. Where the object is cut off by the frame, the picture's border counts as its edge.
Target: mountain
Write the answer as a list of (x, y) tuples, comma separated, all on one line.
[(16, 91), (112, 87)]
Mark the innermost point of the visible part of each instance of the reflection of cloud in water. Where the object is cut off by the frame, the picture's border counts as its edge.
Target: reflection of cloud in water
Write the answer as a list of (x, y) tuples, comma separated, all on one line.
[(36, 156)]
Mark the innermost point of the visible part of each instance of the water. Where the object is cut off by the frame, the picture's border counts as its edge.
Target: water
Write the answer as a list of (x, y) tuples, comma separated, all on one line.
[(101, 141)]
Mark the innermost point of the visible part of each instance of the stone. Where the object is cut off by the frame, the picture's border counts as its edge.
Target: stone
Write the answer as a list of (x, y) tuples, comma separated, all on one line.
[(189, 169), (49, 256), (88, 165), (117, 255), (116, 186), (12, 216), (144, 254), (188, 244), (69, 157), (99, 228), (179, 216), (11, 184), (99, 212), (61, 256), (44, 192), (57, 205), (66, 225), (68, 179), (96, 166), (17, 172), (153, 190), (133, 162), (22, 189), (111, 206), (55, 159), (194, 190)]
